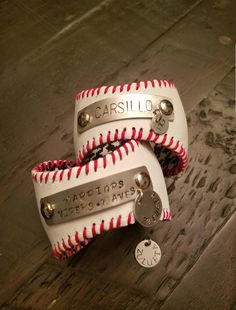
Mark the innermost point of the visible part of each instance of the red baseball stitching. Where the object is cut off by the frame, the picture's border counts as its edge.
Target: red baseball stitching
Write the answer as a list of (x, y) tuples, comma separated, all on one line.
[(153, 137), (138, 135), (65, 170), (67, 248), (120, 88), (65, 174)]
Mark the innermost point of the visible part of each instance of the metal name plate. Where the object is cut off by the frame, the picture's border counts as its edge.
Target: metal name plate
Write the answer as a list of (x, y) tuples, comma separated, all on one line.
[(93, 197), (120, 107)]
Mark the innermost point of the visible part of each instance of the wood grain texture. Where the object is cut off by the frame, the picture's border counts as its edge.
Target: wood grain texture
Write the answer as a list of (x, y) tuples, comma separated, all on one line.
[(192, 53), (106, 276), (81, 57), (26, 25), (210, 284)]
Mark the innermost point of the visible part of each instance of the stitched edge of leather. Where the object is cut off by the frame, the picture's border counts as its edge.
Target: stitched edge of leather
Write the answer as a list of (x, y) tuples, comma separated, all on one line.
[(39, 175), (169, 142), (151, 137), (66, 248), (123, 87)]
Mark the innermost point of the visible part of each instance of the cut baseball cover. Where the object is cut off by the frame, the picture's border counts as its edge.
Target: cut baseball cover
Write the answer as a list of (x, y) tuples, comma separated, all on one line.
[(149, 111), (78, 202)]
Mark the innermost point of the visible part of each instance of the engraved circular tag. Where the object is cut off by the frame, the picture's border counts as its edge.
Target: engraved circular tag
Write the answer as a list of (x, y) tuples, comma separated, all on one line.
[(160, 123), (147, 253), (148, 208)]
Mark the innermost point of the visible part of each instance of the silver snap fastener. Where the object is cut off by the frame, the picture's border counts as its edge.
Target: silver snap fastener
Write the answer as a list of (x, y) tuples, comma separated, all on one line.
[(83, 119), (47, 210), (166, 107), (142, 180)]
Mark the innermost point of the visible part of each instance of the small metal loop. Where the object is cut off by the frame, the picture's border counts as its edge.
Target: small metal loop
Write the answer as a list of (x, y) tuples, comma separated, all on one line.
[(139, 196), (148, 241)]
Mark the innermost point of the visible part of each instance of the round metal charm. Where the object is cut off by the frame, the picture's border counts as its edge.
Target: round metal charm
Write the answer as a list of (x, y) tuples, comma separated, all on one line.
[(148, 208), (147, 253), (160, 123)]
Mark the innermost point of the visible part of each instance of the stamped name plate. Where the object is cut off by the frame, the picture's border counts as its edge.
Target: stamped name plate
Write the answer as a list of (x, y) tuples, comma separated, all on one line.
[(92, 197), (122, 107)]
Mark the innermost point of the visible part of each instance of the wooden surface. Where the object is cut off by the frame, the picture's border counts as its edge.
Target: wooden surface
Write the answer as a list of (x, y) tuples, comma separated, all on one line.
[(47, 58)]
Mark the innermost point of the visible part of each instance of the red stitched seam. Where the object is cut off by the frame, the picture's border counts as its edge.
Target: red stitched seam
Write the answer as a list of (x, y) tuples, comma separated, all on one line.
[(123, 134), (66, 174), (87, 147), (153, 137), (119, 88), (111, 224), (108, 136), (166, 215), (94, 230), (64, 249)]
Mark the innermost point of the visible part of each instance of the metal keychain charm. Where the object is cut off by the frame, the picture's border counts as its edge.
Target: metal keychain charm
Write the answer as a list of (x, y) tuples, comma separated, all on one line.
[(148, 208), (147, 212), (163, 114), (147, 253), (160, 123)]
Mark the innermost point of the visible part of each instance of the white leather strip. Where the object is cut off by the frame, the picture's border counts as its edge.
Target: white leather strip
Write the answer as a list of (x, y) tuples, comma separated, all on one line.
[(170, 147), (54, 177)]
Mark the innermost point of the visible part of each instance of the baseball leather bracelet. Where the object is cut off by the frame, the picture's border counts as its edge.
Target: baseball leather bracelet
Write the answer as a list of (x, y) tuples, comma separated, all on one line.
[(76, 203), (150, 111)]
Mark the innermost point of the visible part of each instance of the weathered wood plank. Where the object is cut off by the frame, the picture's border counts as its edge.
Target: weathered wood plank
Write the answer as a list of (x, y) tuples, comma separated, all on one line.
[(25, 25), (19, 273), (211, 283), (197, 53), (48, 281), (80, 57), (202, 201)]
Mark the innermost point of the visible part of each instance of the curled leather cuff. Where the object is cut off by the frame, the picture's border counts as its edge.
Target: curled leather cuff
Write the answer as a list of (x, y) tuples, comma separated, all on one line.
[(150, 111), (77, 202)]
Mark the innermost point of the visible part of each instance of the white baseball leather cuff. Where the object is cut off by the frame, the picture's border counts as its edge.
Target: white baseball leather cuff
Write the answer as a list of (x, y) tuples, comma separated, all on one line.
[(76, 203), (150, 111)]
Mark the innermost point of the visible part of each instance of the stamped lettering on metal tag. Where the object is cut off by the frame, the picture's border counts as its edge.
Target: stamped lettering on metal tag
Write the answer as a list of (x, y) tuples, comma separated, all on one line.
[(94, 196), (147, 253), (148, 208), (124, 107), (160, 123)]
